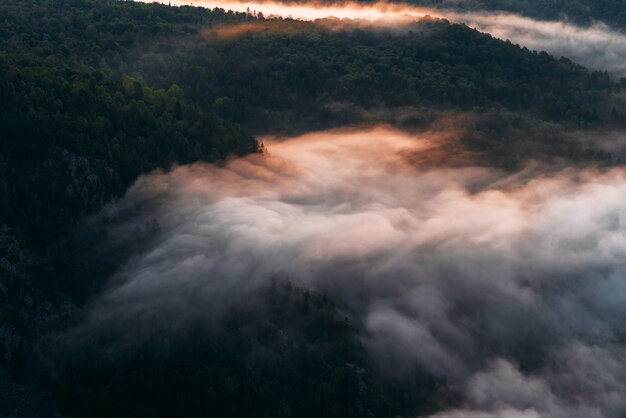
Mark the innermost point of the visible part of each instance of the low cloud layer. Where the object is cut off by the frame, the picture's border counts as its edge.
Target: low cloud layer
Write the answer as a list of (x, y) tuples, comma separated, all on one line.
[(597, 47), (508, 286)]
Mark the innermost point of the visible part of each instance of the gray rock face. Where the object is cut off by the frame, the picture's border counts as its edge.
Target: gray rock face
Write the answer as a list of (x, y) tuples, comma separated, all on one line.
[(28, 309), (19, 401), (16, 293), (79, 183), (25, 312)]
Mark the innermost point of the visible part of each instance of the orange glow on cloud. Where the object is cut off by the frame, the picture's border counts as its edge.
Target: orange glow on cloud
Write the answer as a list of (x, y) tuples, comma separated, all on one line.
[(312, 11), (267, 27)]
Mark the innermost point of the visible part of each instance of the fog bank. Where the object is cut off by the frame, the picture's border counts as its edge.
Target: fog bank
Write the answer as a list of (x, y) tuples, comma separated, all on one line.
[(510, 286)]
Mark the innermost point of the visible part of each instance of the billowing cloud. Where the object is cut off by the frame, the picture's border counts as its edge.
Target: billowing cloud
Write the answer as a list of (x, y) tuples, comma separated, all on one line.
[(598, 46), (509, 286)]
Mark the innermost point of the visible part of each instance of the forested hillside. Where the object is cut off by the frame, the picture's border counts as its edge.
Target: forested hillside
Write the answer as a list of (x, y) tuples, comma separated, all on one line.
[(77, 131), (94, 93), (431, 63), (130, 87)]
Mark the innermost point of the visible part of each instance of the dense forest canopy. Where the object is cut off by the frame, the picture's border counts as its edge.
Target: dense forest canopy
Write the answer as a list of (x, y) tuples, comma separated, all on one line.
[(60, 95), (432, 64), (95, 93)]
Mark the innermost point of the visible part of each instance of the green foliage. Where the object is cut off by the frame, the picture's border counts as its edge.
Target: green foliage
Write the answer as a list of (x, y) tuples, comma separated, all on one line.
[(258, 77), (57, 94)]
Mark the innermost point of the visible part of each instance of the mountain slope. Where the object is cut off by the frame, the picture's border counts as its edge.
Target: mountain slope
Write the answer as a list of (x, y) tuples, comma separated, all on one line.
[(94, 93)]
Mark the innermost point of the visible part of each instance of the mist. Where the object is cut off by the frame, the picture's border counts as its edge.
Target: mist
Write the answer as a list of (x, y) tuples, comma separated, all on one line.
[(507, 285), (597, 47)]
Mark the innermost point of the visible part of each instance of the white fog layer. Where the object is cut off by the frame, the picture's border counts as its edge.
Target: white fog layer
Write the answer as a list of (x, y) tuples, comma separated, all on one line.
[(509, 286)]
